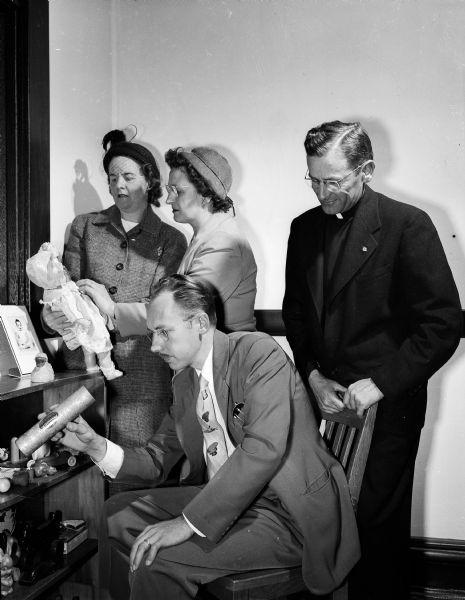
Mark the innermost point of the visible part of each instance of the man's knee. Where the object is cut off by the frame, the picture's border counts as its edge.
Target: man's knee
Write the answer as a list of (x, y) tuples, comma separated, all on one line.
[(163, 578), (117, 517)]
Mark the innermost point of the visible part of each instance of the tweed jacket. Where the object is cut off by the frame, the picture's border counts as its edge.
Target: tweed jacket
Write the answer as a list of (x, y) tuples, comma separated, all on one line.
[(392, 311), (128, 264), (221, 255), (279, 454)]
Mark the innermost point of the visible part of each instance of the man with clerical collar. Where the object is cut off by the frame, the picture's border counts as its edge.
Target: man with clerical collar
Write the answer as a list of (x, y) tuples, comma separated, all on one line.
[(257, 486), (371, 312)]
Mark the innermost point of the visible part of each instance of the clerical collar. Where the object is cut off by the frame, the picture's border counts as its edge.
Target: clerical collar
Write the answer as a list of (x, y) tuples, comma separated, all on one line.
[(348, 214)]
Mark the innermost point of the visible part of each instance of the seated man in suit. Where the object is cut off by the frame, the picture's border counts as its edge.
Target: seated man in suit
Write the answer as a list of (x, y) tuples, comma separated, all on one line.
[(258, 488)]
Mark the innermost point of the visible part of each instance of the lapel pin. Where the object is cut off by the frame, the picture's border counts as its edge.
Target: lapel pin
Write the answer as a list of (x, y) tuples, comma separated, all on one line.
[(364, 249)]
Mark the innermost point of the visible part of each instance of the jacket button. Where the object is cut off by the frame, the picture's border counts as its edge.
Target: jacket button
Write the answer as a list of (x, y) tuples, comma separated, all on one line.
[(119, 266), (124, 244), (113, 289)]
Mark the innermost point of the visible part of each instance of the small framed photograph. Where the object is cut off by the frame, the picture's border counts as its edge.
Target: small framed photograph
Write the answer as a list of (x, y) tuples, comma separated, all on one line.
[(17, 329)]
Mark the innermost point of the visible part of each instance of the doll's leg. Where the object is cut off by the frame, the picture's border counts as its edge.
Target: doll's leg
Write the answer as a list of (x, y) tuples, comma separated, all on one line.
[(107, 366), (90, 360)]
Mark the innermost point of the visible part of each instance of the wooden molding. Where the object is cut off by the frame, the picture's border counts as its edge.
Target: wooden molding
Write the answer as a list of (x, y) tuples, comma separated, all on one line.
[(438, 567)]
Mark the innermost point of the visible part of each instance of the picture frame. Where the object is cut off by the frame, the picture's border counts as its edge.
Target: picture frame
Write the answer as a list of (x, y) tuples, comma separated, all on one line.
[(19, 343)]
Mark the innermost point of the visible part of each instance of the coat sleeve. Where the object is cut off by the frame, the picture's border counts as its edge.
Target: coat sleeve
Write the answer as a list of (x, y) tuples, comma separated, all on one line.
[(432, 312), (74, 254), (151, 465), (264, 388), (295, 308)]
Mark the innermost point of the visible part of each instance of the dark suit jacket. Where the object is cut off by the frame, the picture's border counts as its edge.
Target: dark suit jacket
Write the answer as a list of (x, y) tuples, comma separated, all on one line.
[(279, 454), (393, 310)]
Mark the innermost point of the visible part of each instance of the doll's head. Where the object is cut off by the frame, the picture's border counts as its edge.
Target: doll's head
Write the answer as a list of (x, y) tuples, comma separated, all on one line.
[(45, 268)]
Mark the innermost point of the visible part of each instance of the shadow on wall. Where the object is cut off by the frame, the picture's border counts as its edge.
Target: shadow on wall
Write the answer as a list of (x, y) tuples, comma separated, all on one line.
[(384, 159), (85, 196)]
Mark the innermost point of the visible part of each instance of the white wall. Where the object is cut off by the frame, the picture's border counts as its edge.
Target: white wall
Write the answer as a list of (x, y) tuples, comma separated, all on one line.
[(251, 77), (81, 104)]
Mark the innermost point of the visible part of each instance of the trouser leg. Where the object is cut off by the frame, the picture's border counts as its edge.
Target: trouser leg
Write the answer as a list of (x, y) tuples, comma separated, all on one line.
[(260, 539), (384, 516)]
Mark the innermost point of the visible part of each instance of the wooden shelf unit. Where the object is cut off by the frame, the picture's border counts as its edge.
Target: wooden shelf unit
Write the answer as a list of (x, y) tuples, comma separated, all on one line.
[(77, 491), (72, 562)]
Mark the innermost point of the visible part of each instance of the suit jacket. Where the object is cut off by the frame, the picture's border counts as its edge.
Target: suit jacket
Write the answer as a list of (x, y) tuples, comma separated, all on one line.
[(392, 311), (222, 256), (279, 455)]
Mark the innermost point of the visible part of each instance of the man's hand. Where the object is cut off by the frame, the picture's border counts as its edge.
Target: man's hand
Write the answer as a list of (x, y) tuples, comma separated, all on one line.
[(361, 395), (79, 435), (99, 295), (154, 537), (326, 392)]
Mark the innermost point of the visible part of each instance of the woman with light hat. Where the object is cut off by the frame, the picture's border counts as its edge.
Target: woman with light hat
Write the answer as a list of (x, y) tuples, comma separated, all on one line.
[(118, 255), (198, 187)]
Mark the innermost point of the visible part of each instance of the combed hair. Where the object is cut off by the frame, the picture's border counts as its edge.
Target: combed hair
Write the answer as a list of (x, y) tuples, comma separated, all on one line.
[(175, 160), (192, 295), (352, 139)]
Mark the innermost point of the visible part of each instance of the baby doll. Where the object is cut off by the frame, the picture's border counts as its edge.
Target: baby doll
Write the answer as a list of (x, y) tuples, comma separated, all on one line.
[(61, 294)]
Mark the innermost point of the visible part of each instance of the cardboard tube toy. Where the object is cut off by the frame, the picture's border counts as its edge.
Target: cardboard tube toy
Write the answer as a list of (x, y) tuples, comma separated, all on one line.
[(55, 420)]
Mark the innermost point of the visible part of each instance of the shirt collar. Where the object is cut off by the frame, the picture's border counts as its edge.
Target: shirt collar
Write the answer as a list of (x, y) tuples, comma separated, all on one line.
[(207, 370)]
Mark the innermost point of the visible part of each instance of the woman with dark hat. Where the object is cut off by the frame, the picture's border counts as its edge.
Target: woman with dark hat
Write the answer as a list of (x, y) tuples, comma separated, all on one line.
[(116, 256), (198, 187)]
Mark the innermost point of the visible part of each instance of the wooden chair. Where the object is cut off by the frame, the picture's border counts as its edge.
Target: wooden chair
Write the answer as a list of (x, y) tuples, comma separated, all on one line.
[(349, 437)]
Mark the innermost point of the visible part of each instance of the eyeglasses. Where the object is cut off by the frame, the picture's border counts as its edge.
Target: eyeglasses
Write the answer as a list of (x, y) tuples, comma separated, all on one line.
[(332, 185), (163, 333), (175, 190)]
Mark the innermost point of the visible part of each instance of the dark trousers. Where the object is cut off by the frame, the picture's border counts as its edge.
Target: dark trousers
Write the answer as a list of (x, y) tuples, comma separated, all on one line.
[(384, 515), (259, 539)]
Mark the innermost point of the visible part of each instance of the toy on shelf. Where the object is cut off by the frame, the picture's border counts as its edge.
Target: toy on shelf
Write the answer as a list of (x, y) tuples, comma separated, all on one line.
[(61, 294), (43, 371)]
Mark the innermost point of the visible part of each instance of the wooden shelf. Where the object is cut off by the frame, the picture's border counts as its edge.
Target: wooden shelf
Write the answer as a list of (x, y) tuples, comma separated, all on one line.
[(72, 562), (12, 387), (77, 491), (40, 484)]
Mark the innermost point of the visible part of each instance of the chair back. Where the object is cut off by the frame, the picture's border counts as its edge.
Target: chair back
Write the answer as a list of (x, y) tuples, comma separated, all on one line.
[(348, 436)]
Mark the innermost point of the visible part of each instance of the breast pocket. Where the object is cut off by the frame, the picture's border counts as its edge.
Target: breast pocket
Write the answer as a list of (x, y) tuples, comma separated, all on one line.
[(319, 483)]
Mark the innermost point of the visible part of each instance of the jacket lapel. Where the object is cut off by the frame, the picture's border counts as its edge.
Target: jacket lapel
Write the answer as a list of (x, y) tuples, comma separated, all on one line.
[(186, 385), (360, 245), (220, 371)]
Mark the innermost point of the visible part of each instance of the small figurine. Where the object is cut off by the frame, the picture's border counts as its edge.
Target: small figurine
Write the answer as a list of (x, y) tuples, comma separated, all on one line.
[(61, 294), (4, 454), (43, 371)]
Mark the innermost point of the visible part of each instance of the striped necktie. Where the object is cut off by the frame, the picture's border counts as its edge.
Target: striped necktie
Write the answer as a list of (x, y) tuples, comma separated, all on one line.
[(213, 434)]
